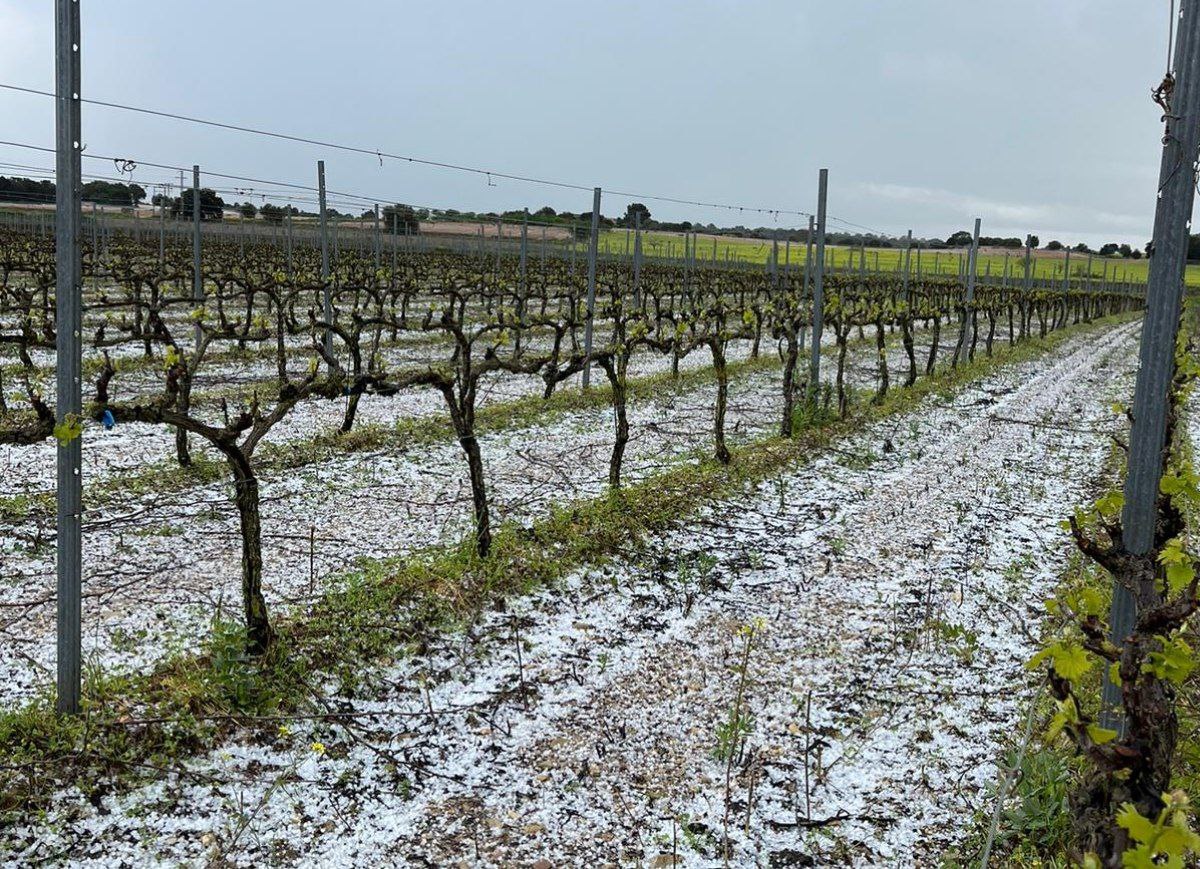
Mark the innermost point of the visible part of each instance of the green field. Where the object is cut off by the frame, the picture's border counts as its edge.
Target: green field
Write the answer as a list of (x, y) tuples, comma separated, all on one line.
[(617, 242), (1046, 264)]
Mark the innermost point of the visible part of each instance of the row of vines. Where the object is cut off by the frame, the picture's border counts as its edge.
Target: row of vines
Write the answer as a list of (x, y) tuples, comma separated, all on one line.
[(150, 340)]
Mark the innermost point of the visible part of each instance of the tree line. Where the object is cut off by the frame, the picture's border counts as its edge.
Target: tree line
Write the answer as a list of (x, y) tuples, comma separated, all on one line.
[(100, 192)]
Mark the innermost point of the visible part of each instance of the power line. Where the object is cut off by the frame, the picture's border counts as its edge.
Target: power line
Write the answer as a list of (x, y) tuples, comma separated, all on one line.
[(354, 199), (346, 198), (381, 155), (869, 229)]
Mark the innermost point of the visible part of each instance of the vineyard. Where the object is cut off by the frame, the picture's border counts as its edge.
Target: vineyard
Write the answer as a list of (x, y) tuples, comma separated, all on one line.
[(407, 513), (431, 550)]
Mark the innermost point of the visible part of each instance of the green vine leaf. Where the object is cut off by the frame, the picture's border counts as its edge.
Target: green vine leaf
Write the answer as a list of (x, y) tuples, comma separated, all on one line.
[(1070, 660), (1173, 661), (68, 430), (1141, 829)]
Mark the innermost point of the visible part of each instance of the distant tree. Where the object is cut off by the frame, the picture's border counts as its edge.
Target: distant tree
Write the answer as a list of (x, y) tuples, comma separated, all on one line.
[(212, 206), (113, 193), (631, 214), (1054, 245), (1125, 250), (272, 213), (26, 190), (545, 211), (1135, 254), (1193, 248), (1111, 249), (247, 210), (402, 217), (1082, 248), (1033, 241), (960, 239), (585, 219)]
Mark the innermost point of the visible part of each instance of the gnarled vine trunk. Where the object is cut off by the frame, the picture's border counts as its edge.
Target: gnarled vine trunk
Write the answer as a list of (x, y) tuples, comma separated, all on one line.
[(881, 355), (935, 334), (906, 338), (719, 366), (790, 357), (616, 373), (259, 634)]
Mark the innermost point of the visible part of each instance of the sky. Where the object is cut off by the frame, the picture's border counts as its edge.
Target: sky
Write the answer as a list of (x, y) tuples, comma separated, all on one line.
[(1034, 115)]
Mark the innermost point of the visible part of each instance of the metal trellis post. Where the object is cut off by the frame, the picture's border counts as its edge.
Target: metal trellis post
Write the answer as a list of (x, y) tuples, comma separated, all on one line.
[(197, 277), (637, 258), (591, 285), (907, 259), (326, 297), (818, 313), (68, 302), (969, 269), (1156, 355)]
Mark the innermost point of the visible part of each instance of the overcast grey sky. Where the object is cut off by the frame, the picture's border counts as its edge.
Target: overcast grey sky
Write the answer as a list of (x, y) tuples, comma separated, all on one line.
[(1032, 114)]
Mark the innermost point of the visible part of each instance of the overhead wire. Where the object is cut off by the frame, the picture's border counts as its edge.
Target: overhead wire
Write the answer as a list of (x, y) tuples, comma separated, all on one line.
[(381, 155), (361, 199)]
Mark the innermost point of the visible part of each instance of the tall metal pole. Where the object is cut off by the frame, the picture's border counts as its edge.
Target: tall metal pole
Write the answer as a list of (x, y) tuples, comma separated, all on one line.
[(1156, 356), (378, 238), (68, 325), (973, 262), (524, 247), (637, 258), (907, 260), (818, 313), (162, 226), (969, 299), (524, 285), (1028, 264), (197, 277), (591, 285), (326, 297)]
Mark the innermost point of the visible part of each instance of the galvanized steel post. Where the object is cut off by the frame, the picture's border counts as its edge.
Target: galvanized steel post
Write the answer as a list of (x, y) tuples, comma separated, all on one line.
[(818, 302), (326, 296), (1151, 401), (591, 286), (68, 327)]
